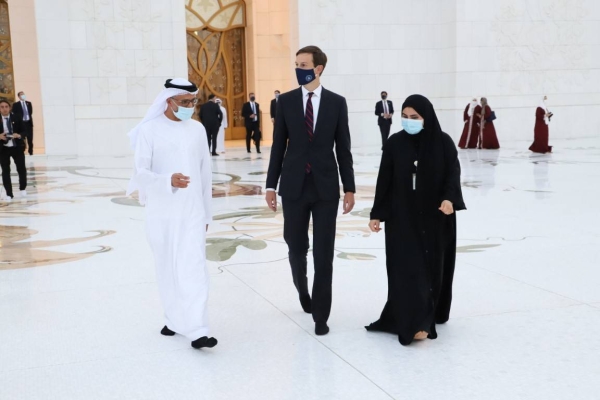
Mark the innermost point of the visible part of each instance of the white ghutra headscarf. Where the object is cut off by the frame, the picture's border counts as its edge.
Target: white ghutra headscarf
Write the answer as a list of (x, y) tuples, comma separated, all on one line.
[(543, 106), (173, 87), (474, 103)]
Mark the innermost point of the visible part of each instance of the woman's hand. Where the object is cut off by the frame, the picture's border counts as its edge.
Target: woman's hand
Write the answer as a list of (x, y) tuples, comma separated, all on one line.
[(375, 225), (447, 207)]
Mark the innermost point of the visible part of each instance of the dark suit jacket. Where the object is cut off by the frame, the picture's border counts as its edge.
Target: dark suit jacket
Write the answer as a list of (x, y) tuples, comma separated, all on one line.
[(211, 115), (273, 108), (379, 111), (247, 112), (291, 149), (16, 128), (17, 110)]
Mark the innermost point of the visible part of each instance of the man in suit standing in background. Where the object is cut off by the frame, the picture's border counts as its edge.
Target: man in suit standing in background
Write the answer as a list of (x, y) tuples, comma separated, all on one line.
[(211, 117), (384, 110), (274, 106), (251, 114), (12, 145), (23, 111), (311, 121)]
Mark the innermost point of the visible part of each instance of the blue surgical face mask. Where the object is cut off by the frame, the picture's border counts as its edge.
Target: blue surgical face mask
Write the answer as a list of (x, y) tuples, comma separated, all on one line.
[(305, 76), (184, 113), (276, 95), (412, 126), (23, 97)]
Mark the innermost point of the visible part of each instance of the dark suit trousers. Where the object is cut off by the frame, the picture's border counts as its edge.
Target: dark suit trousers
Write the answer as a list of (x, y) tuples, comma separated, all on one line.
[(252, 130), (384, 128), (18, 155), (211, 134), (28, 135), (296, 214)]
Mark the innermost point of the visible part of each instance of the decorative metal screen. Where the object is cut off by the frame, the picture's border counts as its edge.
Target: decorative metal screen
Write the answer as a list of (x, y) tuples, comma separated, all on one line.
[(216, 53)]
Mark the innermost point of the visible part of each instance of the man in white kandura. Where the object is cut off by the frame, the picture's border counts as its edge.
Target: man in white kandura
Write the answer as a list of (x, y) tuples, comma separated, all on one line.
[(221, 136), (172, 173)]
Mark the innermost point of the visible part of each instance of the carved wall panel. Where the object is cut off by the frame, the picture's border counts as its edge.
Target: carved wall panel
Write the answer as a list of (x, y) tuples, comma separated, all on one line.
[(7, 82), (216, 55)]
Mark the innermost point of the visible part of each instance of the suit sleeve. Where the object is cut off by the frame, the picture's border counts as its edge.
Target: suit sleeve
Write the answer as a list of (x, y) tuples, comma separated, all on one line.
[(343, 149), (391, 107), (201, 113), (378, 112), (245, 110), (220, 114), (273, 105), (278, 149)]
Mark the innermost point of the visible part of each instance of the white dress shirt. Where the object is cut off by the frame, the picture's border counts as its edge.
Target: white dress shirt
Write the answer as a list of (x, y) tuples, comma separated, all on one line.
[(316, 102), (6, 130)]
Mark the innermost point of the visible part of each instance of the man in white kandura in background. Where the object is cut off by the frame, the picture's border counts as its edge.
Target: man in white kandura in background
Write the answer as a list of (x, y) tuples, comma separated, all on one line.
[(221, 136), (172, 173)]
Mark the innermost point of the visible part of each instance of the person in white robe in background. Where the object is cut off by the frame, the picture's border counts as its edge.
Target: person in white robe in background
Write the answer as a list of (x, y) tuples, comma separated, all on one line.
[(221, 135), (172, 173)]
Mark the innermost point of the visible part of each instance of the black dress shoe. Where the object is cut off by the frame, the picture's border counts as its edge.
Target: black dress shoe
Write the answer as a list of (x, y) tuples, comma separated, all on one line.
[(167, 332), (321, 328), (204, 341), (215, 154), (306, 303)]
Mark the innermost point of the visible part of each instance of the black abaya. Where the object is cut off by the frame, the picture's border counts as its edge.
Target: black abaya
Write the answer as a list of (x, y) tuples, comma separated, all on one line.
[(420, 239)]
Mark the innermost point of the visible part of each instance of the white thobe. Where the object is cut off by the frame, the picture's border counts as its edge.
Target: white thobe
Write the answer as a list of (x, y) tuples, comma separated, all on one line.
[(221, 135), (176, 219)]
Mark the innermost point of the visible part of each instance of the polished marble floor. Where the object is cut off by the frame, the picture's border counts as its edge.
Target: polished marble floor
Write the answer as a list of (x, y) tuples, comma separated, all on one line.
[(80, 314)]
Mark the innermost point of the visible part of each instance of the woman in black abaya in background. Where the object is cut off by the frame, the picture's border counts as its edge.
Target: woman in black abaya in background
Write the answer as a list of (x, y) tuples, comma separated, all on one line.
[(418, 191)]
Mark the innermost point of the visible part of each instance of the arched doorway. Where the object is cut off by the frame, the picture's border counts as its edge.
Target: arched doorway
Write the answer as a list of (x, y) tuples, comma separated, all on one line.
[(216, 55), (7, 82)]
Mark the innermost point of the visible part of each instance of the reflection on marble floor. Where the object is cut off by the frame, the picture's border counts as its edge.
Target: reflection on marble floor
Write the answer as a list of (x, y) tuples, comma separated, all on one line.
[(81, 313)]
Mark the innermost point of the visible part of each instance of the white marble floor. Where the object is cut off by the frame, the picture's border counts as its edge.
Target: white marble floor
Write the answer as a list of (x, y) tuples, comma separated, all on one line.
[(80, 315)]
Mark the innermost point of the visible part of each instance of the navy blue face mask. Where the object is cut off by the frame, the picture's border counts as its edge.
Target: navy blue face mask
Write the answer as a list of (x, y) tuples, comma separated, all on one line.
[(305, 76)]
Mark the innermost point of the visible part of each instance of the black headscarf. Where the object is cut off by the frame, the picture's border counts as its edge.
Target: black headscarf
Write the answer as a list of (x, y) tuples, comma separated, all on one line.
[(430, 169)]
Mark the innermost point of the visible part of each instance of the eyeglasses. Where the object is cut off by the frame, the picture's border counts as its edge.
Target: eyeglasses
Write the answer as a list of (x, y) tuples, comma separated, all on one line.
[(186, 102)]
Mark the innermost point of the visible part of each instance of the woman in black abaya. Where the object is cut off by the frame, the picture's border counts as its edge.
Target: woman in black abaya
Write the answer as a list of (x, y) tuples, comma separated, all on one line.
[(418, 191)]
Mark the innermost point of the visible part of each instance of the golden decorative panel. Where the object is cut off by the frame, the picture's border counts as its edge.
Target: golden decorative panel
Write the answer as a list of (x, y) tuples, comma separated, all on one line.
[(7, 82), (218, 15), (216, 54)]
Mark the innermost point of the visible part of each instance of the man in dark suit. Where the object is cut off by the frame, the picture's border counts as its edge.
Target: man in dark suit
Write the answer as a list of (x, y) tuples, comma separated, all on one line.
[(23, 111), (274, 106), (12, 146), (251, 114), (384, 110), (211, 117), (310, 122)]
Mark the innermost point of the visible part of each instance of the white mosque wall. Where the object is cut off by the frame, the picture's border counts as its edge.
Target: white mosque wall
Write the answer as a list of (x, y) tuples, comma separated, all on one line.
[(511, 51), (101, 65)]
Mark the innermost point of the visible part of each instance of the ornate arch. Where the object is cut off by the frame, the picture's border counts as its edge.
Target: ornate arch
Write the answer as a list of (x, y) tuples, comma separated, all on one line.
[(216, 54)]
